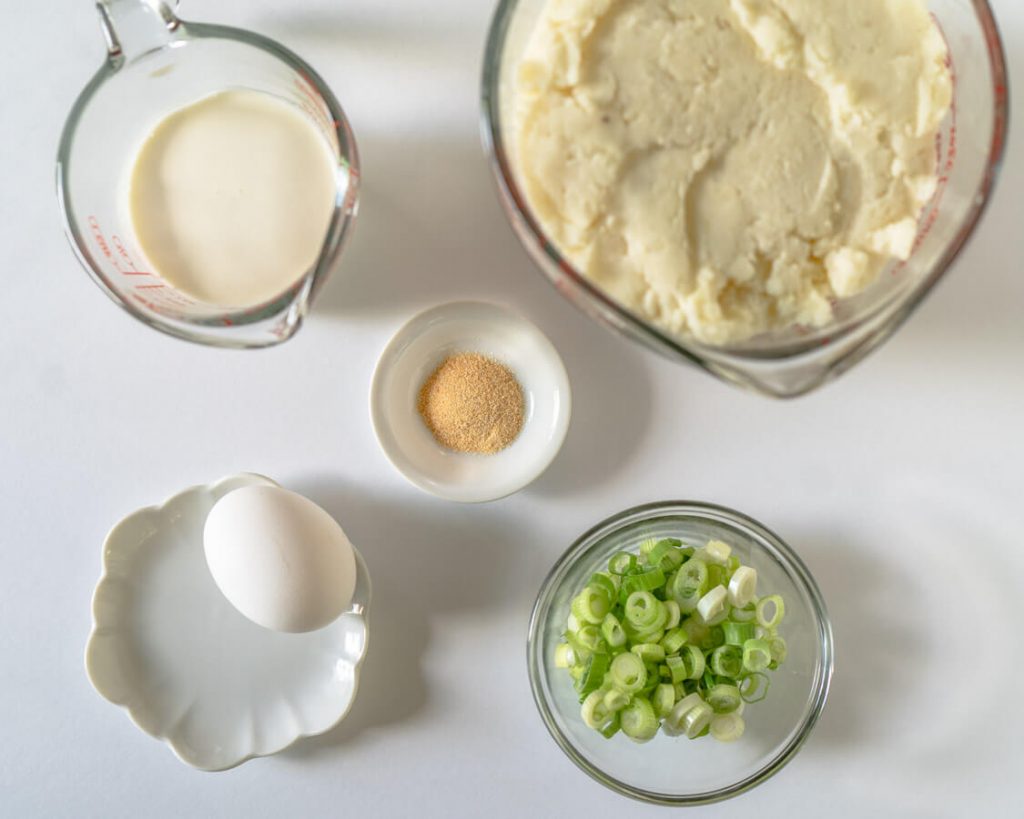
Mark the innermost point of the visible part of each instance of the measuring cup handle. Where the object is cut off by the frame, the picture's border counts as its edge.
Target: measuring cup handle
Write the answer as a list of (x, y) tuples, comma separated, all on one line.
[(133, 27)]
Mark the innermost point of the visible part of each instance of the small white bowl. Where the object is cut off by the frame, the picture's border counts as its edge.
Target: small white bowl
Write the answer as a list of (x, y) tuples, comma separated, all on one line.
[(413, 354), (188, 668)]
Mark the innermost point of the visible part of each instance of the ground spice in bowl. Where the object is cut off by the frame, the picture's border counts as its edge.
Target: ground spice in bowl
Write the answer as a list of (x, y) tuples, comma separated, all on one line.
[(472, 403)]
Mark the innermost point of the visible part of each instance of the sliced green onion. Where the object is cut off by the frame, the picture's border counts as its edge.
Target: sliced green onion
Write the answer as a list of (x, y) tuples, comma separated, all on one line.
[(616, 700), (779, 650), (718, 552), (696, 631), (707, 682), (711, 606), (674, 614), (612, 728), (762, 633), (594, 712), (690, 584), (648, 636), (590, 638), (717, 575), (674, 640), (649, 652), (593, 675), (724, 699), (666, 554), (643, 610), (653, 680), (604, 581), (580, 651), (677, 670), (646, 580), (743, 587), (693, 661), (676, 634), (727, 661), (770, 611), (697, 719), (757, 655), (674, 721), (591, 605), (628, 673), (648, 546), (736, 634), (638, 720), (754, 687), (713, 638), (612, 631), (664, 699), (621, 562), (727, 727)]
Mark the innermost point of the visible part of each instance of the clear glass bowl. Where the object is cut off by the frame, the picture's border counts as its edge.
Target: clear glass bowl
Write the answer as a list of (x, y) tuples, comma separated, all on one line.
[(793, 362), (677, 771)]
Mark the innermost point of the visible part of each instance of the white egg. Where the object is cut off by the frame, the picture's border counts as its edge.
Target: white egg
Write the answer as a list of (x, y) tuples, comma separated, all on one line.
[(280, 559)]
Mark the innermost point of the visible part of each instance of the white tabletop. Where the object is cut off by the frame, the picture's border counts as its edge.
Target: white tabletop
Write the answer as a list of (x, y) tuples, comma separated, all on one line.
[(901, 485)]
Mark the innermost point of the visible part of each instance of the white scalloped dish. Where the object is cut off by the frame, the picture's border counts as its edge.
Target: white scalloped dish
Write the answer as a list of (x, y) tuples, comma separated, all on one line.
[(188, 668)]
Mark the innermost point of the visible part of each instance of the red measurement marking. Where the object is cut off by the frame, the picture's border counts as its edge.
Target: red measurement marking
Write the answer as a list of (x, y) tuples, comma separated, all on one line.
[(313, 103), (145, 302), (149, 287), (951, 149), (122, 251), (98, 237)]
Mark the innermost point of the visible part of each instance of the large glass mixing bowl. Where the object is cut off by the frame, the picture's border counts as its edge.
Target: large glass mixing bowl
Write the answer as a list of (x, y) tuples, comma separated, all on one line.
[(792, 362)]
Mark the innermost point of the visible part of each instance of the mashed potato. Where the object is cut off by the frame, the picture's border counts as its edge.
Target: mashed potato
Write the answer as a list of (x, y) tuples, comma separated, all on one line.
[(726, 168)]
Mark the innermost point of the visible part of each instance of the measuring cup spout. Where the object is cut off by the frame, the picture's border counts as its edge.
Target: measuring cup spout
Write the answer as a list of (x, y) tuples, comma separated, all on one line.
[(136, 27)]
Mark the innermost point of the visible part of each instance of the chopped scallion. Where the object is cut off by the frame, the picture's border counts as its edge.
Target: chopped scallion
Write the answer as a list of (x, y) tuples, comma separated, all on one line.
[(673, 638), (757, 655), (638, 720), (627, 673), (727, 727), (770, 611)]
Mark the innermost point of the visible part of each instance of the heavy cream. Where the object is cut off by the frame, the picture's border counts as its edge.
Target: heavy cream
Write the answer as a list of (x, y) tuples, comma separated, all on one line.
[(231, 197), (727, 168)]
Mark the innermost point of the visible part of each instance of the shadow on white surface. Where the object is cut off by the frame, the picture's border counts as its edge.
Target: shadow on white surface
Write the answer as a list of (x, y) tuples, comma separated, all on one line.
[(611, 415), (397, 34), (424, 562), (877, 656), (430, 229)]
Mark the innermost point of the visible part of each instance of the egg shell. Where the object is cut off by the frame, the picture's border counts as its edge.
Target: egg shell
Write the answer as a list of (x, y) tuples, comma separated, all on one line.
[(280, 559)]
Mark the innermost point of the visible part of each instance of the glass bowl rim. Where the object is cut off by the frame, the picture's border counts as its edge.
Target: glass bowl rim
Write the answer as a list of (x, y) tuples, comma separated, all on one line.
[(707, 356), (766, 539)]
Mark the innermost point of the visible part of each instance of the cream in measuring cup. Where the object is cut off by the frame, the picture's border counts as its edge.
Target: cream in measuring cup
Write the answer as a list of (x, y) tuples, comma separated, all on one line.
[(231, 197), (207, 176)]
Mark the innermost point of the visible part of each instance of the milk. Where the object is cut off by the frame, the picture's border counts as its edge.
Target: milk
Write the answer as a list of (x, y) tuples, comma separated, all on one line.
[(231, 198)]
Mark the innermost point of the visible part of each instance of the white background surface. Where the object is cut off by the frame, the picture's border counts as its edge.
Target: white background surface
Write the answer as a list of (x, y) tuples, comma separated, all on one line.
[(901, 485)]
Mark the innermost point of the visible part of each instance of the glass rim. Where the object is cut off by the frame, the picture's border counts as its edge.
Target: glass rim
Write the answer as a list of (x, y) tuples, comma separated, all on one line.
[(200, 330), (707, 356), (766, 539)]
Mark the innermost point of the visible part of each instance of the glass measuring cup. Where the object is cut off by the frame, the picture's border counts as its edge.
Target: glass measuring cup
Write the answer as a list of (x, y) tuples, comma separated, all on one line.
[(795, 361), (156, 64)]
